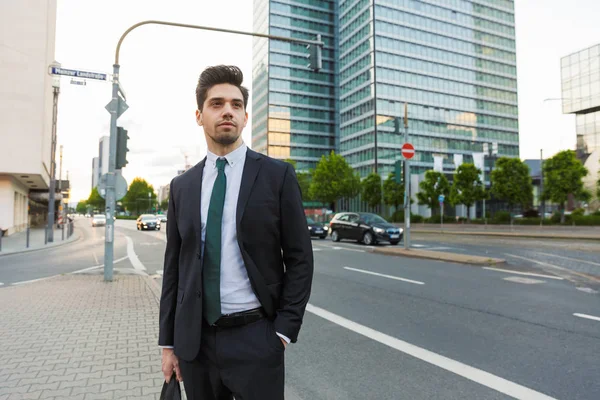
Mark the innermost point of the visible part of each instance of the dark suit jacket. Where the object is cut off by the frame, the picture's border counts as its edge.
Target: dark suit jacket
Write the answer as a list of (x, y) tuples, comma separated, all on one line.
[(273, 237)]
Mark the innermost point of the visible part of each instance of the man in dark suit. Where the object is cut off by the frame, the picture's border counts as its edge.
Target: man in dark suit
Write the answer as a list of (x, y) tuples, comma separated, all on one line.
[(238, 263)]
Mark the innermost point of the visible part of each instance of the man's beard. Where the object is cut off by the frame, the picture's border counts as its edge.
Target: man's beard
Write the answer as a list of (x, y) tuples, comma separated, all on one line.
[(225, 139)]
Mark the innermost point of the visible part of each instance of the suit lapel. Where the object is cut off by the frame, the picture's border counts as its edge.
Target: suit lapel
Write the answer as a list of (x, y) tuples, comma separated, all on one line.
[(251, 168), (195, 193)]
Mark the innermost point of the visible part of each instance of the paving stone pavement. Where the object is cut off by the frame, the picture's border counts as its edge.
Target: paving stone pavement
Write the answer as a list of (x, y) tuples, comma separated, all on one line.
[(77, 337)]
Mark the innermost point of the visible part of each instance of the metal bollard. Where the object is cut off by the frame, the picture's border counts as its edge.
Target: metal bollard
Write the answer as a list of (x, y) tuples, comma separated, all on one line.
[(1, 234), (27, 235), (46, 235), (63, 232)]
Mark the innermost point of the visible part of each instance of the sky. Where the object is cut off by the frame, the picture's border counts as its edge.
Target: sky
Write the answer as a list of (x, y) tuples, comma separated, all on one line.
[(160, 66)]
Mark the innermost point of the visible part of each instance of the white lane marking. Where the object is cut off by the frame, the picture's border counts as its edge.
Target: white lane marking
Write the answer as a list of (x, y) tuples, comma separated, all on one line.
[(587, 316), (32, 281), (99, 266), (570, 259), (551, 266), (95, 257), (133, 258), (518, 279), (345, 248), (466, 371), (159, 272), (316, 249), (385, 276), (418, 245), (508, 271)]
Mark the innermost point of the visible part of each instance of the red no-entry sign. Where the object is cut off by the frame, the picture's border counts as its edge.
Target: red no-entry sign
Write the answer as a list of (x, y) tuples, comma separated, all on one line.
[(408, 151)]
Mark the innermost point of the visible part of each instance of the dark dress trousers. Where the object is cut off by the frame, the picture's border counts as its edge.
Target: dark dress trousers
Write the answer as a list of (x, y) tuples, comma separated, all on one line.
[(276, 248)]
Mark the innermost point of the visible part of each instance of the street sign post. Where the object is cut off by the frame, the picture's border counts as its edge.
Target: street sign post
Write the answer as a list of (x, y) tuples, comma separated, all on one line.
[(54, 70), (120, 186)]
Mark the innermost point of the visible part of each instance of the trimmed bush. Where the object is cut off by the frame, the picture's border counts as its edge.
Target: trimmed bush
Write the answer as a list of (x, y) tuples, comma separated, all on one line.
[(126, 217), (501, 217), (416, 218)]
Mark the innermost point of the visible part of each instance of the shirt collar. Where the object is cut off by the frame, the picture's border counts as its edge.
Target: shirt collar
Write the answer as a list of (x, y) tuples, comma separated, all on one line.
[(232, 158)]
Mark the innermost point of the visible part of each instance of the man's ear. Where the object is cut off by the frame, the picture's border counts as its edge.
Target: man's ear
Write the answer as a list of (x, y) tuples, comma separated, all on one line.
[(199, 117)]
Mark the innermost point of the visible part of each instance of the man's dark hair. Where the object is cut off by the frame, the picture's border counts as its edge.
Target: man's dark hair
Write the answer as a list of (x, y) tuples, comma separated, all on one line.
[(212, 76)]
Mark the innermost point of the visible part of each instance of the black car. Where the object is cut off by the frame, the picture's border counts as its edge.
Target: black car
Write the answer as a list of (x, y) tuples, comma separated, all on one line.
[(317, 228), (364, 227), (148, 222)]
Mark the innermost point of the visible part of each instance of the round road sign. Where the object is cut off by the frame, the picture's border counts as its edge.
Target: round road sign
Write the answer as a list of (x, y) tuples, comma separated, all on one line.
[(408, 151)]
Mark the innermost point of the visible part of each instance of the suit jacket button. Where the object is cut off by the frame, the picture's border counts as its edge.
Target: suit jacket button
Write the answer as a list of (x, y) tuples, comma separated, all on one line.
[(198, 254), (199, 293)]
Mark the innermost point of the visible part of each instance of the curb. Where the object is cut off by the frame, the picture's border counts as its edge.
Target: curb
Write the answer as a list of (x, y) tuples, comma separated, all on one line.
[(441, 256), (510, 234), (9, 253)]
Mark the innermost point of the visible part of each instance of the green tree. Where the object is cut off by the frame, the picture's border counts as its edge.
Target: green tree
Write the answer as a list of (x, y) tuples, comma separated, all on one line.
[(563, 175), (598, 187), (371, 190), (137, 198), (164, 205), (393, 193), (333, 179), (434, 184), (95, 201), (81, 207), (303, 180), (512, 183), (466, 188)]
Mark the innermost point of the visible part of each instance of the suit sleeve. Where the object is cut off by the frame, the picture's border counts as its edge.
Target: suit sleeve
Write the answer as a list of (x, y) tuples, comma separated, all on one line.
[(297, 257), (168, 298)]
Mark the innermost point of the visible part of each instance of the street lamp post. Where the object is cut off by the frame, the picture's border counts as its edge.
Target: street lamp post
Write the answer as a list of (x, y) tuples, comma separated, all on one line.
[(52, 189), (149, 202)]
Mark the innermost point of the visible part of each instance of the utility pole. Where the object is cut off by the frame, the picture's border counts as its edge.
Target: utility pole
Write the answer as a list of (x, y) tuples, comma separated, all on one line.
[(406, 185), (52, 189)]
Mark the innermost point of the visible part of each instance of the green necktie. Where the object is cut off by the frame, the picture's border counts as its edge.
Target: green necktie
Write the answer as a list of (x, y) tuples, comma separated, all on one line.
[(211, 280)]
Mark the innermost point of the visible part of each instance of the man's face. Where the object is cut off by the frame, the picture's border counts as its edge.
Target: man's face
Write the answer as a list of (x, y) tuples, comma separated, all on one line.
[(223, 116)]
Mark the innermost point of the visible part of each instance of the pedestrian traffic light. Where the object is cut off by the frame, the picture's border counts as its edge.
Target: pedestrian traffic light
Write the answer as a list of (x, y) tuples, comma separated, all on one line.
[(315, 60), (121, 148)]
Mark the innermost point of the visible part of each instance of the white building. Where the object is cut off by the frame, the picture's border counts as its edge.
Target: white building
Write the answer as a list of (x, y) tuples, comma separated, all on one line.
[(95, 172), (25, 105)]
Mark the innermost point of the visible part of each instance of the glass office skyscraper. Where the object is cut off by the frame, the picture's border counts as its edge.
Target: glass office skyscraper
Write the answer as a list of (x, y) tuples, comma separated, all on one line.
[(452, 61), (294, 109)]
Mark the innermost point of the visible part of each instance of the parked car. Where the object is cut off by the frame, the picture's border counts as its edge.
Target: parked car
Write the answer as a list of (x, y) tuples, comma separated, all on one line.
[(364, 227), (99, 220), (317, 228), (148, 222), (162, 217)]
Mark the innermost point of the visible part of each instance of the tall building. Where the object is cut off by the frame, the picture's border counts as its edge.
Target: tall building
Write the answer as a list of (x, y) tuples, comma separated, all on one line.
[(103, 154), (25, 110), (95, 172), (452, 61), (580, 74), (294, 109)]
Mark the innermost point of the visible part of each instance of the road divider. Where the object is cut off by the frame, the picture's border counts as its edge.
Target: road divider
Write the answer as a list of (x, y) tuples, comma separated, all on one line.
[(439, 256), (384, 276), (491, 381)]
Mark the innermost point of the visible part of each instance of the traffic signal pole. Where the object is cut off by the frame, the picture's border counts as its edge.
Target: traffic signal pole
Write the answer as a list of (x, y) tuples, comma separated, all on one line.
[(110, 183), (118, 105)]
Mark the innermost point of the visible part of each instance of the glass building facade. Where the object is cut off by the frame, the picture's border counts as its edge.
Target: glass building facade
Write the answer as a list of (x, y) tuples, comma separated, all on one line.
[(294, 108), (580, 74), (452, 61)]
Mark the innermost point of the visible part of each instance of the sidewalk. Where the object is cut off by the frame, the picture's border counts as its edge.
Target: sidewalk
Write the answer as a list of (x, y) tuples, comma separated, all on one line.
[(77, 337), (17, 243)]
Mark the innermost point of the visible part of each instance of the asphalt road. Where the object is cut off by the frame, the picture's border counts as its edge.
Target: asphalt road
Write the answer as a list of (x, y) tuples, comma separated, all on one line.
[(381, 327)]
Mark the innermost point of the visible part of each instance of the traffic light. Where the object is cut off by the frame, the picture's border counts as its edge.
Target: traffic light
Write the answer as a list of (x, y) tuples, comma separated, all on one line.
[(399, 171), (396, 125), (121, 148), (315, 57)]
